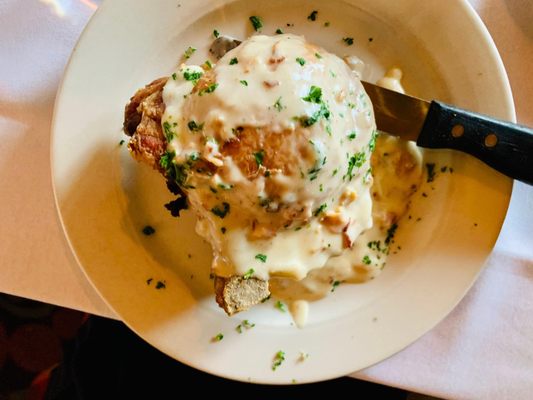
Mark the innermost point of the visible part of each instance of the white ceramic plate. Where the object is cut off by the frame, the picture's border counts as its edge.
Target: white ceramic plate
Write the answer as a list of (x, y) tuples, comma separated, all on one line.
[(104, 198)]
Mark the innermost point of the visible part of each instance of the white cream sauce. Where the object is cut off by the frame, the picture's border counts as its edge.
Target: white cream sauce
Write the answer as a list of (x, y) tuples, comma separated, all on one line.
[(273, 86), (318, 183)]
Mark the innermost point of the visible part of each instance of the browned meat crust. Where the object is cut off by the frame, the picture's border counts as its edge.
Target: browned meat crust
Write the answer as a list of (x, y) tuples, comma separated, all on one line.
[(142, 121)]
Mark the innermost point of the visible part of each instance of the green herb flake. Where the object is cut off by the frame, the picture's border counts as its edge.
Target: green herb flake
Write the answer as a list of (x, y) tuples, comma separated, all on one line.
[(430, 167), (189, 52), (279, 31), (160, 285), (122, 141), (167, 130), (174, 76), (355, 161), (192, 76), (372, 143), (257, 23), (210, 89), (221, 210), (244, 83), (314, 96), (148, 230), (317, 55), (280, 306), (218, 337), (348, 40), (245, 324), (300, 61), (233, 61), (277, 105), (320, 209), (366, 260), (248, 274), (259, 156), (334, 286), (352, 135), (321, 187), (335, 171), (207, 65), (261, 257), (278, 360), (216, 33), (327, 23), (149, 280), (312, 16), (194, 127)]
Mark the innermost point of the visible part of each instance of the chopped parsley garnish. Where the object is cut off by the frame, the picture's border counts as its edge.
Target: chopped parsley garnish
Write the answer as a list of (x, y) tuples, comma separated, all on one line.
[(210, 89), (194, 127), (352, 135), (167, 130), (243, 82), (221, 210), (300, 61), (317, 55), (321, 187), (390, 233), (174, 76), (218, 337), (348, 40), (192, 76), (320, 209), (233, 61), (372, 143), (430, 167), (245, 324), (148, 230), (367, 176), (216, 33), (312, 16), (355, 161), (278, 360), (207, 65), (122, 141), (277, 105), (248, 274), (280, 306), (259, 157), (256, 22), (160, 285), (335, 171), (366, 260), (189, 52), (261, 257), (314, 96), (334, 286), (149, 280), (327, 23), (279, 31)]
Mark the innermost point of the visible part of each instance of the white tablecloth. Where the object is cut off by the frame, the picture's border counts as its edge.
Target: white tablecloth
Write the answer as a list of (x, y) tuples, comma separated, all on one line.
[(483, 349)]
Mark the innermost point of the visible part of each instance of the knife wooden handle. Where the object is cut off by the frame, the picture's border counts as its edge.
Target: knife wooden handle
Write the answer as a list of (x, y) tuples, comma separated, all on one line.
[(506, 147)]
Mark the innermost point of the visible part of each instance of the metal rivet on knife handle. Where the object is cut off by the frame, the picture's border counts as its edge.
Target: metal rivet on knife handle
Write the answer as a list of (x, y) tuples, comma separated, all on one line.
[(491, 140), (458, 130)]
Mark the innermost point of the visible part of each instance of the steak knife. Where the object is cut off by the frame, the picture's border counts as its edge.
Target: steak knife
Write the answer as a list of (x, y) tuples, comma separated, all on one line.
[(504, 146)]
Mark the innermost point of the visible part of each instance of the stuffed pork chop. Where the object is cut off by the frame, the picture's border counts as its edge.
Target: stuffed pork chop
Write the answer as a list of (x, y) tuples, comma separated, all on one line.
[(271, 149)]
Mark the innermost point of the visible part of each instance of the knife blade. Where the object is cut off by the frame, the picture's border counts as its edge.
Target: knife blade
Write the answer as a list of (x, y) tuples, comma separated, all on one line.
[(504, 146)]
